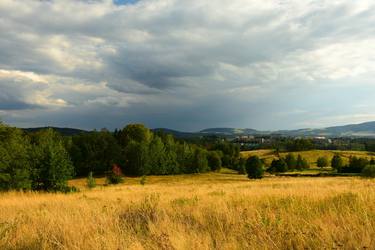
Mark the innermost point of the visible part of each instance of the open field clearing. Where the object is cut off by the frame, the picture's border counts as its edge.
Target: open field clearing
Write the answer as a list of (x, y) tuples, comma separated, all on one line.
[(208, 211), (311, 155)]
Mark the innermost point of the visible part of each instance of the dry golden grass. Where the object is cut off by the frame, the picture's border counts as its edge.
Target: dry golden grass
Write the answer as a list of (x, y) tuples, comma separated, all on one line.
[(209, 211), (311, 155)]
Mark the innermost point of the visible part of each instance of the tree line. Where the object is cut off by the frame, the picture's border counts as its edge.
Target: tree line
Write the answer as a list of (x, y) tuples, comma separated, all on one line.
[(45, 160)]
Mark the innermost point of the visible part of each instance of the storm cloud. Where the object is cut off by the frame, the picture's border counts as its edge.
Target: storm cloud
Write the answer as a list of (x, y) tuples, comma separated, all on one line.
[(187, 64)]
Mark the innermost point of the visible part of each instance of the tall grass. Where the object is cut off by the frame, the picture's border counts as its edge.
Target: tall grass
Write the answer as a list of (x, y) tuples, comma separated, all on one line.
[(211, 211)]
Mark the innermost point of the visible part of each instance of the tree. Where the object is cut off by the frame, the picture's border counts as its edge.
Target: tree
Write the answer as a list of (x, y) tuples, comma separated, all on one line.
[(279, 165), (200, 161), (51, 163), (94, 152), (214, 160), (291, 161), (241, 166), (369, 171), (254, 167), (322, 162), (14, 161), (336, 162), (136, 159), (301, 163), (134, 132)]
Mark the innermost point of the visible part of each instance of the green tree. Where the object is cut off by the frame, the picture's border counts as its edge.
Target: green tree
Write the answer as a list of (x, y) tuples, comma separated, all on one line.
[(301, 163), (14, 161), (291, 161), (136, 159), (51, 163), (134, 132), (214, 160), (279, 165), (337, 162), (200, 161), (369, 171), (254, 167), (94, 152), (322, 162)]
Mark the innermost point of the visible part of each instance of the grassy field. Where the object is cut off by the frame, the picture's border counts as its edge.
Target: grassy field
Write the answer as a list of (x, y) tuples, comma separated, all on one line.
[(311, 156), (208, 211)]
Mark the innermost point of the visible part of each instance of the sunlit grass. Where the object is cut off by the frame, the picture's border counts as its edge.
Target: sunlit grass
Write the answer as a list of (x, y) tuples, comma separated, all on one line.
[(208, 211)]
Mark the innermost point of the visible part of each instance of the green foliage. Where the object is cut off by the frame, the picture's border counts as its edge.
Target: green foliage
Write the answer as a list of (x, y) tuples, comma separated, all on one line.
[(279, 166), (134, 132), (214, 160), (291, 161), (91, 183), (356, 165), (322, 162), (136, 159), (200, 161), (94, 152), (51, 163), (254, 167), (14, 161), (336, 162), (301, 163), (241, 166), (369, 171)]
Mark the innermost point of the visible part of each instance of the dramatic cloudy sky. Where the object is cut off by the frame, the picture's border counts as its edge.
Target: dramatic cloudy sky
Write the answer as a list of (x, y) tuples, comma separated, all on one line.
[(187, 64)]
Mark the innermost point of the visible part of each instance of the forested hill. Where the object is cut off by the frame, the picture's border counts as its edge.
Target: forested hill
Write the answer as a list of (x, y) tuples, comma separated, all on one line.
[(63, 131)]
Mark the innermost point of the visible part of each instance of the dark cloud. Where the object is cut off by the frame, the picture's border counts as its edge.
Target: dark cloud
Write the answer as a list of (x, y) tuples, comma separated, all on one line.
[(185, 65)]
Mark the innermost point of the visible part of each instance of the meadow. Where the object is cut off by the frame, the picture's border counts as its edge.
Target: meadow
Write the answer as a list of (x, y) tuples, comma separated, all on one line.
[(206, 211), (310, 155)]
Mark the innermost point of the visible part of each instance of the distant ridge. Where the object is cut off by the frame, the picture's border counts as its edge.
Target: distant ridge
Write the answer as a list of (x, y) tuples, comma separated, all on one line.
[(63, 131), (364, 130)]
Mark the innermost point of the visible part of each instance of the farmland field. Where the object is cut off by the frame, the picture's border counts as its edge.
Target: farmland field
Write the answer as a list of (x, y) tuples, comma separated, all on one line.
[(207, 211), (311, 155)]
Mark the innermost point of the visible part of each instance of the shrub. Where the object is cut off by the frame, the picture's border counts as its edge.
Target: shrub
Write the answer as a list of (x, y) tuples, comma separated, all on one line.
[(241, 166), (254, 167), (278, 165), (336, 162), (291, 161), (142, 181), (369, 171), (115, 176), (301, 163), (322, 162), (91, 183), (214, 160)]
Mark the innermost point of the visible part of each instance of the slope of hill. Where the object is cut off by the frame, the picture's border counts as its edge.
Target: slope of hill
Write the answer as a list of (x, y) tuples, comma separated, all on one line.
[(63, 131)]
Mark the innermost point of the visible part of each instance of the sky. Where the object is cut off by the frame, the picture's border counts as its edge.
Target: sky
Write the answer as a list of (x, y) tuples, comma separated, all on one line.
[(187, 64)]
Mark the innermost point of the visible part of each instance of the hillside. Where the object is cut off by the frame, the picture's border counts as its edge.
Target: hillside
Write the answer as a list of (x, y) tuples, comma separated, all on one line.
[(63, 131)]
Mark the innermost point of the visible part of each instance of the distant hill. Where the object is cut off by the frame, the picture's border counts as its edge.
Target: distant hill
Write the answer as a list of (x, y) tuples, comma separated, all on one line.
[(176, 133), (366, 129), (63, 131), (229, 131)]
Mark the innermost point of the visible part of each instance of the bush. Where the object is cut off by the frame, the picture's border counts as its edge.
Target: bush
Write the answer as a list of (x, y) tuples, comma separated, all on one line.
[(279, 166), (241, 166), (368, 171), (115, 176), (91, 183), (301, 163), (214, 160), (142, 181), (254, 168), (336, 162), (322, 162)]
